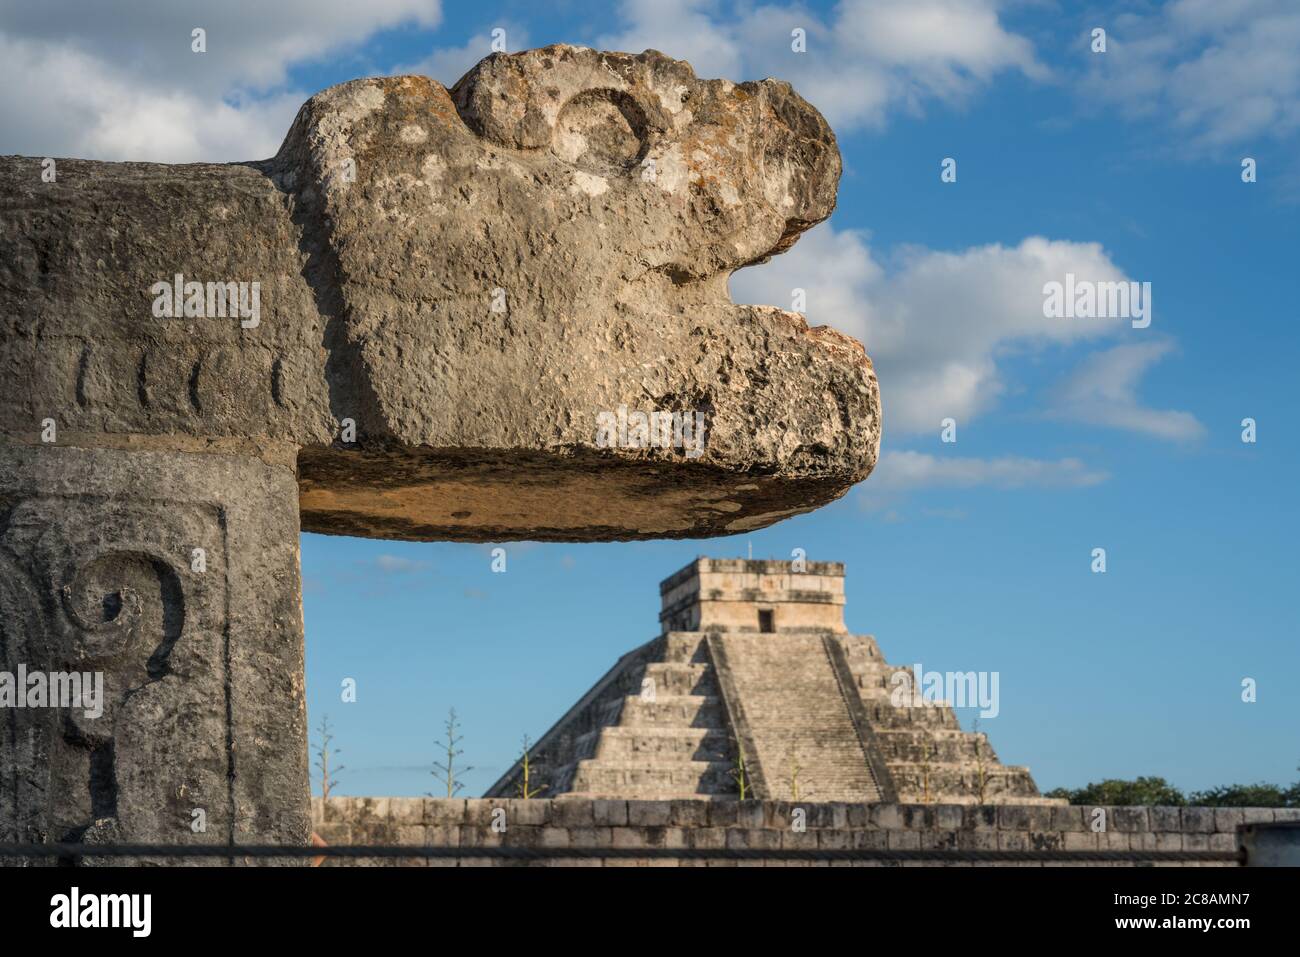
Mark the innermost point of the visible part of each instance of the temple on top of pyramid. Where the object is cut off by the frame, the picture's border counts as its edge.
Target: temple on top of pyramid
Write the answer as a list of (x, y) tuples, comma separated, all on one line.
[(754, 677)]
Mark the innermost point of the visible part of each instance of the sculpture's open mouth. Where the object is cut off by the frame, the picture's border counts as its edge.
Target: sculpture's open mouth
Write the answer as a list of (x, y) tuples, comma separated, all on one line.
[(581, 495)]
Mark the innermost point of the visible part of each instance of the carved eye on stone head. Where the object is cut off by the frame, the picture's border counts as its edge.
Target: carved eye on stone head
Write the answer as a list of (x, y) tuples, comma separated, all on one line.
[(604, 131), (112, 603)]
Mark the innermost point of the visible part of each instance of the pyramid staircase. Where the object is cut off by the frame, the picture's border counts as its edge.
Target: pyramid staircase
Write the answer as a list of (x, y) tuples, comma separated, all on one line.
[(795, 723), (811, 712), (654, 728), (929, 757)]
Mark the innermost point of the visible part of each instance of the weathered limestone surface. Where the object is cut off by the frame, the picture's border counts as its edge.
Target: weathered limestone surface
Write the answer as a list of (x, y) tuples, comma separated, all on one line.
[(201, 660), (767, 831), (471, 276), (452, 286)]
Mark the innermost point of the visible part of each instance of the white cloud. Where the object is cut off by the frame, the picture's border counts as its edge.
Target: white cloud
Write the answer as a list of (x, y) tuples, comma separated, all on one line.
[(869, 56), (1103, 391), (899, 474), (1216, 72), (397, 565), (683, 29), (380, 574), (939, 325), (113, 81), (59, 101), (915, 470), (116, 81), (449, 64), (250, 43)]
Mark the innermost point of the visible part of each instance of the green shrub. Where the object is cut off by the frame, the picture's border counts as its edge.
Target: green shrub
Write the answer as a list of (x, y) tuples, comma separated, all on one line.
[(1153, 791)]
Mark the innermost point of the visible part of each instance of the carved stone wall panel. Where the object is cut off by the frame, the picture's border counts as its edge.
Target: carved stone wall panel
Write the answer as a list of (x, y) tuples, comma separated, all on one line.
[(175, 577)]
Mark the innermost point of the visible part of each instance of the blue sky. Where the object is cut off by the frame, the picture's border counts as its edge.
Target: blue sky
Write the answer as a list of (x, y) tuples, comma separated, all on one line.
[(973, 555)]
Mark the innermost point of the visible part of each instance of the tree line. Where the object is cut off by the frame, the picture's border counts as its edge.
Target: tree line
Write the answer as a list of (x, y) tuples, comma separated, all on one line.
[(1155, 791)]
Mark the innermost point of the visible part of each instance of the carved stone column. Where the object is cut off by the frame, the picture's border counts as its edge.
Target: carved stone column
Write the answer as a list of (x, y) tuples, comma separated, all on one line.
[(174, 577)]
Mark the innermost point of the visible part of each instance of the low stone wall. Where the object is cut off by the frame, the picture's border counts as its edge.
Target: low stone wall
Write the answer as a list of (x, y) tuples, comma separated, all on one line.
[(768, 832)]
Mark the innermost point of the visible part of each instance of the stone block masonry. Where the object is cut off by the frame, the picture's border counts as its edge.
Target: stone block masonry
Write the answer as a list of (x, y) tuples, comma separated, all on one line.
[(763, 669), (768, 827), (801, 734)]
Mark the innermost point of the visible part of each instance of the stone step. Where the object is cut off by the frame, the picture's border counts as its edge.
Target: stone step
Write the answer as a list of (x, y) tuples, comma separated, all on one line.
[(860, 647), (680, 678), (681, 711), (881, 678), (930, 744), (864, 656), (864, 663), (686, 646), (650, 744), (608, 712), (797, 716), (584, 745), (870, 682), (633, 778), (958, 780), (884, 716), (650, 795)]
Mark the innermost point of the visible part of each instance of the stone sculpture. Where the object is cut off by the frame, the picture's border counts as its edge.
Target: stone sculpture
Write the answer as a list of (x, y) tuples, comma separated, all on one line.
[(404, 325)]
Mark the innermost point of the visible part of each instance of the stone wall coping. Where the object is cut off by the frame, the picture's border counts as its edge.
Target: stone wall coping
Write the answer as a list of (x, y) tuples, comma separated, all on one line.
[(584, 813)]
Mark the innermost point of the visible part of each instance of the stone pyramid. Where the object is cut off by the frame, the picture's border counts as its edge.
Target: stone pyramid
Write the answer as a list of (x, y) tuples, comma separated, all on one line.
[(755, 676)]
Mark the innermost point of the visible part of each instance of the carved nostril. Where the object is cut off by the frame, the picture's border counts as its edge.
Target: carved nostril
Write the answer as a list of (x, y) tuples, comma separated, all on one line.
[(600, 130)]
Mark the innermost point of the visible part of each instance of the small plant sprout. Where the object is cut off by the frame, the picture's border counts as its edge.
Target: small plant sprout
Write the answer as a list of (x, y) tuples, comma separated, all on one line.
[(327, 779), (526, 790), (448, 773), (739, 772), (981, 763)]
